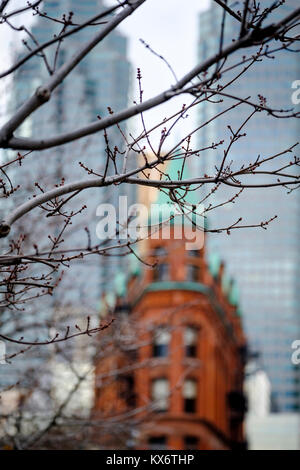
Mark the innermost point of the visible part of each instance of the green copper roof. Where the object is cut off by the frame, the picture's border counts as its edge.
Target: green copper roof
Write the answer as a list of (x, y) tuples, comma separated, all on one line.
[(177, 285), (233, 296), (229, 286), (134, 265), (239, 312), (120, 284), (164, 207), (214, 263), (226, 284), (174, 171)]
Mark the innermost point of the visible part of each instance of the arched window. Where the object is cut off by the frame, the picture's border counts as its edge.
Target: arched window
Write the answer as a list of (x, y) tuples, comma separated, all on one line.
[(189, 395), (161, 270), (191, 443), (193, 253), (160, 394), (190, 337), (157, 443), (161, 342), (192, 272)]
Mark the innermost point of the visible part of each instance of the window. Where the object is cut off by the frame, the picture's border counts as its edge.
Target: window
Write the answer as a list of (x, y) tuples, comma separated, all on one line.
[(161, 272), (159, 251), (190, 341), (127, 389), (190, 395), (161, 342), (192, 272), (160, 394), (191, 443), (193, 253), (157, 443)]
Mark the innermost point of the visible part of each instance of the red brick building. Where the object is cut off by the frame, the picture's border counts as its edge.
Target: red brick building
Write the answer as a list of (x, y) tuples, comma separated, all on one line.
[(184, 378)]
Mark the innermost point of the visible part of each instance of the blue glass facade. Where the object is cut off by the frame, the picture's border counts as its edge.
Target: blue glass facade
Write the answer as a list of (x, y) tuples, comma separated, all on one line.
[(100, 81), (266, 264)]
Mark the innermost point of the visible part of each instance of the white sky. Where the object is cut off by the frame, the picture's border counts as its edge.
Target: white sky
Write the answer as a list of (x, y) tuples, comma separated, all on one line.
[(170, 28)]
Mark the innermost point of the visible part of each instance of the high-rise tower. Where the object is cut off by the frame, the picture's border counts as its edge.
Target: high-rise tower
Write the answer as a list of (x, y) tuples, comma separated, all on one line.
[(176, 365), (265, 263), (99, 82)]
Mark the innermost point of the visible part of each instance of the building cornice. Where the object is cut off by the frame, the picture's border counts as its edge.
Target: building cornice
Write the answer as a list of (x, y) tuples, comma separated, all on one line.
[(191, 287)]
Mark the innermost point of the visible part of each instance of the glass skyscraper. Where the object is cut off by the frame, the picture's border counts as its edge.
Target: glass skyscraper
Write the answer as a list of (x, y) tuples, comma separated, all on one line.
[(100, 81), (266, 263)]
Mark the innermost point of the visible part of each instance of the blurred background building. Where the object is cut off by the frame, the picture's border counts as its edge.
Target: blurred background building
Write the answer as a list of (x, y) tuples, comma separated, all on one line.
[(182, 377), (275, 431), (100, 81), (258, 389), (266, 430), (265, 263)]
